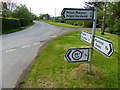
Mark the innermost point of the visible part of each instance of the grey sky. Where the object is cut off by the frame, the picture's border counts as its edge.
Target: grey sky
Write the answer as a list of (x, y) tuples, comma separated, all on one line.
[(48, 6)]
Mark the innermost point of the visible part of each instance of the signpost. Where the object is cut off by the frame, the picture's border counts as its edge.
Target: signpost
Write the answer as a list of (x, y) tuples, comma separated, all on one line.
[(81, 54), (77, 14), (103, 45), (77, 55)]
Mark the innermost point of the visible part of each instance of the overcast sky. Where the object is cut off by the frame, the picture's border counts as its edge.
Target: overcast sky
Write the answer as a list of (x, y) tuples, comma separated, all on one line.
[(48, 6)]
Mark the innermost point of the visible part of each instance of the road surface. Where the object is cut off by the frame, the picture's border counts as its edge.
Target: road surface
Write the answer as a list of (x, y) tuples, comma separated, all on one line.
[(20, 48)]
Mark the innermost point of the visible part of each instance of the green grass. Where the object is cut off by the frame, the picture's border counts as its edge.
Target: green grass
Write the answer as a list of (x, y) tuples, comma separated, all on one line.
[(52, 70), (63, 24), (15, 30)]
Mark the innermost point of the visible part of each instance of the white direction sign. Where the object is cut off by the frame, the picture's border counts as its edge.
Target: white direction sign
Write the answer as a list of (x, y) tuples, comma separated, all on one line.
[(77, 55), (77, 14), (86, 36), (103, 45)]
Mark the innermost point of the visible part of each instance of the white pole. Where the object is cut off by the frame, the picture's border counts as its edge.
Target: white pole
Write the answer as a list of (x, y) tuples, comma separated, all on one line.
[(92, 42), (55, 12)]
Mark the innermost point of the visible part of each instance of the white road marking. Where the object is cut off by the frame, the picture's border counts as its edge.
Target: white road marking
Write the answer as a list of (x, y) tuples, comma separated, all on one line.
[(25, 46), (35, 43), (22, 47), (10, 50)]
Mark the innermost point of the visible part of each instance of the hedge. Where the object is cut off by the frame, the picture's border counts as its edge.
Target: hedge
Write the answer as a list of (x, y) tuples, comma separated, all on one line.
[(87, 24), (24, 22), (10, 23)]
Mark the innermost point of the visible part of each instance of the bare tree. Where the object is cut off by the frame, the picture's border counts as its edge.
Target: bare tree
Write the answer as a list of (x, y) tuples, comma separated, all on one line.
[(11, 5)]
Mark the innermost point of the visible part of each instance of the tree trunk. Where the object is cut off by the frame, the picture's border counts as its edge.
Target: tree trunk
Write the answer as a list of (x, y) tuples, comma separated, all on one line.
[(104, 17)]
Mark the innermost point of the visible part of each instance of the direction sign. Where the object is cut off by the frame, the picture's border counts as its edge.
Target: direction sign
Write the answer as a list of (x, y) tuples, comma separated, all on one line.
[(104, 46), (101, 44), (86, 36), (77, 14), (77, 55)]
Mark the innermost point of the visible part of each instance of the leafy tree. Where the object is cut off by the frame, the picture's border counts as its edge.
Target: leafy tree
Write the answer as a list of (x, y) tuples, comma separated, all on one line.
[(44, 16), (113, 17), (22, 12), (34, 17)]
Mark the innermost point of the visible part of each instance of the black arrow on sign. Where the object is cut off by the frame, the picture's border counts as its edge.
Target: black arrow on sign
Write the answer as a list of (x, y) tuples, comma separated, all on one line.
[(110, 50), (67, 55), (63, 14)]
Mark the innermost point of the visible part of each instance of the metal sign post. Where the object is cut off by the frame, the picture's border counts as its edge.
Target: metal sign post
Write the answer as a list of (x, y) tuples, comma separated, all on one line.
[(92, 41)]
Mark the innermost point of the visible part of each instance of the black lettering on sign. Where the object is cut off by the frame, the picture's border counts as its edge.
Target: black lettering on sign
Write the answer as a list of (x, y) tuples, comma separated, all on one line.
[(98, 41), (84, 37), (84, 34), (77, 12), (70, 12), (70, 16), (97, 45)]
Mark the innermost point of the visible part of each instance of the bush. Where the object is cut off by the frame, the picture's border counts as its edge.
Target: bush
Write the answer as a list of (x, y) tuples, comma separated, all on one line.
[(24, 22), (115, 28), (88, 24), (9, 24)]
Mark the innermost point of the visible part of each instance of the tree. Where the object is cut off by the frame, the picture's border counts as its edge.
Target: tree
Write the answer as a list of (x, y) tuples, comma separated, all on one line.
[(34, 17), (44, 16), (113, 19), (93, 3), (11, 5), (104, 18), (101, 12), (4, 9), (7, 8), (22, 12)]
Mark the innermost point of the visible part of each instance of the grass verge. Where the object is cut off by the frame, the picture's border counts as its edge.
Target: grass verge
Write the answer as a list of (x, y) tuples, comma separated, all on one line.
[(52, 70), (15, 30), (62, 24)]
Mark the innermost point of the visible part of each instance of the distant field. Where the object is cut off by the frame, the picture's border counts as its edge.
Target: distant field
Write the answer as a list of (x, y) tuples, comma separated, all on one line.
[(52, 70), (63, 24)]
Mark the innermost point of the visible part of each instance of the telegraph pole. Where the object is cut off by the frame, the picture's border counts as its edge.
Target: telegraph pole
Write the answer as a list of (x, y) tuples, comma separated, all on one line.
[(30, 9), (55, 12)]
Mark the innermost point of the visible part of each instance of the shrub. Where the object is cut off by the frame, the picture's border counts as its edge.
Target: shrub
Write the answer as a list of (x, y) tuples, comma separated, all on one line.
[(9, 24), (24, 22), (88, 24)]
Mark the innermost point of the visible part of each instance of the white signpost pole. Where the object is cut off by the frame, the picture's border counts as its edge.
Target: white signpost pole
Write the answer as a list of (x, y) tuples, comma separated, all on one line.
[(92, 41)]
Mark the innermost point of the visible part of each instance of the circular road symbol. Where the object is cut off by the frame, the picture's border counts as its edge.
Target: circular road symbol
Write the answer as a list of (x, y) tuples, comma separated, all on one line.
[(76, 55)]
